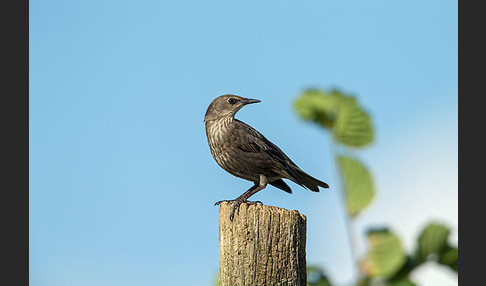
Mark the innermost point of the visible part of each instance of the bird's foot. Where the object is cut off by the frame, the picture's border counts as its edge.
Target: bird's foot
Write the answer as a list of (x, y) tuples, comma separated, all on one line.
[(253, 203), (228, 201), (232, 201), (236, 205)]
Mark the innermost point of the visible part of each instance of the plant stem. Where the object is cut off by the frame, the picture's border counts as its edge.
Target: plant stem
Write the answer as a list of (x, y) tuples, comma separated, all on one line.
[(350, 229)]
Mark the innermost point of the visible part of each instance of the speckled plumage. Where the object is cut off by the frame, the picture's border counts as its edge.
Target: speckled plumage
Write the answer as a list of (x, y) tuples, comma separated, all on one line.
[(244, 152)]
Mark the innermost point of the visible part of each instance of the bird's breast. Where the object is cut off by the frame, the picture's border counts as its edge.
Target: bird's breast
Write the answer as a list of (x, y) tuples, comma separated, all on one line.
[(219, 140), (220, 135)]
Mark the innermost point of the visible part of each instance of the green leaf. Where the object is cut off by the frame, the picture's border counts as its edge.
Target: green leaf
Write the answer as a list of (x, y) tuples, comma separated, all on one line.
[(432, 240), (386, 255), (338, 112), (316, 106), (450, 257), (358, 184), (403, 282), (353, 124)]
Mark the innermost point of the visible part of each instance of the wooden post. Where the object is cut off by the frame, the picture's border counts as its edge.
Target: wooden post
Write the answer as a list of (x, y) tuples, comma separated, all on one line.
[(263, 245)]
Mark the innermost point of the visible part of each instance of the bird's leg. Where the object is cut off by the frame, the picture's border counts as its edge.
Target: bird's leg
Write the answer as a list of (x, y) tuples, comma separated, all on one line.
[(244, 197), (238, 198)]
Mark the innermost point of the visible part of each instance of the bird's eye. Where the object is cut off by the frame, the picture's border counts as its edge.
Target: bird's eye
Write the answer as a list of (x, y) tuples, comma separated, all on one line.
[(232, 101)]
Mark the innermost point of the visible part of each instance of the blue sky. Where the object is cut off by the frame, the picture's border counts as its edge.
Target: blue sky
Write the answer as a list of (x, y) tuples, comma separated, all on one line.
[(122, 183)]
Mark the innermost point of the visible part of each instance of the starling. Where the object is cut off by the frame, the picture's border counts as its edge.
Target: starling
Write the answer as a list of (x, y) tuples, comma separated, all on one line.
[(245, 153)]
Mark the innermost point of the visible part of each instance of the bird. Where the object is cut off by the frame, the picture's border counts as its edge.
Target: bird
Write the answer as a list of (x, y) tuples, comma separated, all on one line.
[(244, 152)]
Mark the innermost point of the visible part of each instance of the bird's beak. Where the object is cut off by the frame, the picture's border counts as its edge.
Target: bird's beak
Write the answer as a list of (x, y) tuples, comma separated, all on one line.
[(249, 101)]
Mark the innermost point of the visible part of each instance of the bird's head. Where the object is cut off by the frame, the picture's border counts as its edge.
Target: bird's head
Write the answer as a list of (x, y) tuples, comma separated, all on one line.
[(226, 106)]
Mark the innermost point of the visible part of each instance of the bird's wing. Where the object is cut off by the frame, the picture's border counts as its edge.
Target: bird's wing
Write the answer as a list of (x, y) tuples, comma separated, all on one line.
[(250, 140)]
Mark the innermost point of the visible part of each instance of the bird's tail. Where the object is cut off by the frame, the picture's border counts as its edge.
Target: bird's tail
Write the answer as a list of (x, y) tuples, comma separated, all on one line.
[(308, 181)]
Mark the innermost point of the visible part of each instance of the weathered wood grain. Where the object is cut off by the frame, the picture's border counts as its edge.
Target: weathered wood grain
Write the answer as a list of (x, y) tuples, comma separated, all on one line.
[(263, 245)]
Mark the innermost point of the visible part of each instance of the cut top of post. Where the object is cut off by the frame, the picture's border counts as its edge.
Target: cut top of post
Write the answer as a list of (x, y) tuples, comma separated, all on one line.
[(263, 245)]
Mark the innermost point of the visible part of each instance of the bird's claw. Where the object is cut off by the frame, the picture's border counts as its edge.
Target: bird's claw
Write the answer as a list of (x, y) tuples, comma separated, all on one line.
[(254, 203), (232, 201), (219, 202), (236, 205)]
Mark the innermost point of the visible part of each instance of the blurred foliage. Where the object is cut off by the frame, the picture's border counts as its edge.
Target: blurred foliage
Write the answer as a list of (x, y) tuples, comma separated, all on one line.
[(432, 240), (386, 262), (358, 184), (316, 277), (386, 254), (432, 245), (350, 126), (340, 113)]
